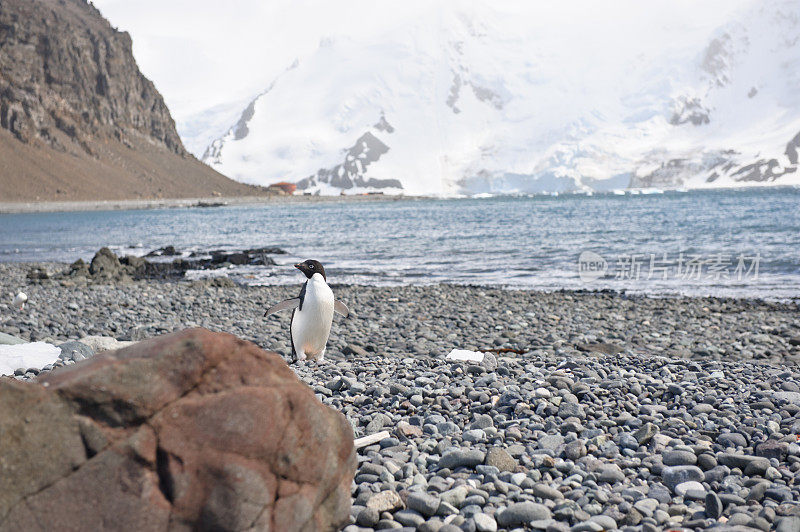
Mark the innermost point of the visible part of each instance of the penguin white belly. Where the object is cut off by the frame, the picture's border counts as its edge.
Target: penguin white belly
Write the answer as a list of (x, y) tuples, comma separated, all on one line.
[(311, 326)]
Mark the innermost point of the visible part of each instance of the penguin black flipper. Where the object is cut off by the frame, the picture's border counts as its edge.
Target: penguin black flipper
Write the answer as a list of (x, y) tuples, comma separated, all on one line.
[(291, 337), (302, 296), (299, 306)]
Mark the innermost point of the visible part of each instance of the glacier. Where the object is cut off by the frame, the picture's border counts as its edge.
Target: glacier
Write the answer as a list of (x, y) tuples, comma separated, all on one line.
[(467, 98)]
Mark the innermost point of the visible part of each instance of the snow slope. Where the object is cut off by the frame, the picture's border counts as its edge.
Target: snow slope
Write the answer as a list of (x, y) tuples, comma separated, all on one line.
[(435, 98)]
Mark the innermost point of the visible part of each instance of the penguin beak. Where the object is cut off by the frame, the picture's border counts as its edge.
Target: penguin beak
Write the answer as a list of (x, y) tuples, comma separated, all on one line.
[(299, 266)]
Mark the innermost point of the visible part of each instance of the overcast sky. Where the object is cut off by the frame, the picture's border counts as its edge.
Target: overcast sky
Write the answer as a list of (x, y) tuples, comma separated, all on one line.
[(203, 54)]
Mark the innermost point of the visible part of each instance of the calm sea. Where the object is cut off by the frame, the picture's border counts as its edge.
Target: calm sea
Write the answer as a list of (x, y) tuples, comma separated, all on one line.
[(730, 242)]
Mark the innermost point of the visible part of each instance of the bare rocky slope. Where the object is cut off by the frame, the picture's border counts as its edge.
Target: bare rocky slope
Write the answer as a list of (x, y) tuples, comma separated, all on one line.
[(79, 121), (476, 98)]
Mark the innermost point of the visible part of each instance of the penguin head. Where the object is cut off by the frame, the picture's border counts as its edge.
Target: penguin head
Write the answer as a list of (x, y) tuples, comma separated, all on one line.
[(310, 267)]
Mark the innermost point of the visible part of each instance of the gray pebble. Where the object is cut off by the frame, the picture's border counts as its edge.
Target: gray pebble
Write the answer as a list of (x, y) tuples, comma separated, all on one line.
[(521, 513), (423, 503)]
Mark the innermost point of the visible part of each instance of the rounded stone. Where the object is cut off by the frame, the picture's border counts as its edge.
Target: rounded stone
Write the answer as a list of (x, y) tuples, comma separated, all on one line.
[(713, 505), (409, 518), (575, 450), (500, 459), (76, 351), (484, 522), (685, 488), (605, 521), (522, 513), (646, 506), (706, 461), (610, 473), (461, 458), (678, 458), (732, 439), (424, 503), (546, 492), (368, 517), (674, 475), (385, 501)]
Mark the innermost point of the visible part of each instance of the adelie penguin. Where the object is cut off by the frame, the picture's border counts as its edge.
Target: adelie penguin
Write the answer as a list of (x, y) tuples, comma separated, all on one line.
[(312, 313)]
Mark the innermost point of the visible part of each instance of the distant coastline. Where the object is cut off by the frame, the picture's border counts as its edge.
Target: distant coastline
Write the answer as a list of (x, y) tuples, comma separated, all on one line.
[(21, 207)]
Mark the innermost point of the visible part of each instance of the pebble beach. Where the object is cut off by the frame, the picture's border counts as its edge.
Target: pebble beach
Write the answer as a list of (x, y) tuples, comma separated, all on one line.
[(589, 410)]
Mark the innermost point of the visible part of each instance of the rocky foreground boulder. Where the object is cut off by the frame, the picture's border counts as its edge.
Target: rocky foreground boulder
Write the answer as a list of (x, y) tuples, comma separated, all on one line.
[(192, 430)]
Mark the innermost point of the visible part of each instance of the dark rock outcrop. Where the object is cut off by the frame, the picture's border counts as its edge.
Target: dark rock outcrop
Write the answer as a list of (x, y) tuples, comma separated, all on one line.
[(689, 110), (351, 173), (715, 164), (193, 430), (106, 266)]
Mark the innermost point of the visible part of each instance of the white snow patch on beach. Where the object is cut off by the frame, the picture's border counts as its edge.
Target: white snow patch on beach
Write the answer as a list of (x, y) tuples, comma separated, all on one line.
[(30, 355), (465, 355)]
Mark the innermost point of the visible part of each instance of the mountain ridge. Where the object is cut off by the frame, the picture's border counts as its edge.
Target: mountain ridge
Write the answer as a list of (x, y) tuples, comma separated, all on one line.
[(479, 102)]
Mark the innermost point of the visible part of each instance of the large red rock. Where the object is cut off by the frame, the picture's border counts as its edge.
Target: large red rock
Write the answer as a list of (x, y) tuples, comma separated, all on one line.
[(193, 430)]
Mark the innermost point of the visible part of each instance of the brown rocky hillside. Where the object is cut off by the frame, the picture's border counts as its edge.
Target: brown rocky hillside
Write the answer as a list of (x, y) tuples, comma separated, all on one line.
[(79, 121)]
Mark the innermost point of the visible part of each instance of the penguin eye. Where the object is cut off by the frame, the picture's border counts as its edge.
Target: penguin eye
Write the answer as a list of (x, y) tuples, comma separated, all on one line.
[(311, 266)]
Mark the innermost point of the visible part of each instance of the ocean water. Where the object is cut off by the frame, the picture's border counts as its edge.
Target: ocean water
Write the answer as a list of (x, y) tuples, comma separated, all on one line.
[(741, 243)]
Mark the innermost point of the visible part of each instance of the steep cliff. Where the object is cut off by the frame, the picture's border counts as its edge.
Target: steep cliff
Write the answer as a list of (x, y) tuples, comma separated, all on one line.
[(78, 120)]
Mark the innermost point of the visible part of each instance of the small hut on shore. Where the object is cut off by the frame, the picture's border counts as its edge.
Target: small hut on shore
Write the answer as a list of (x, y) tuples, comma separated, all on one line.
[(283, 188)]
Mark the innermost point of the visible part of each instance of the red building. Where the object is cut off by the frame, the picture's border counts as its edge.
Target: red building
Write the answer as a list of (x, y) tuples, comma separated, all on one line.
[(283, 187)]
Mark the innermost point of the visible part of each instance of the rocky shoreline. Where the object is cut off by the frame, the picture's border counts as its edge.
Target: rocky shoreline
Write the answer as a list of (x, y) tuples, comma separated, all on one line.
[(594, 411), (17, 207), (398, 321)]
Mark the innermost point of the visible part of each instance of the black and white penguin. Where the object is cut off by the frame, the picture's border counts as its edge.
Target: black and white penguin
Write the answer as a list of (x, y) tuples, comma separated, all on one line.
[(312, 313)]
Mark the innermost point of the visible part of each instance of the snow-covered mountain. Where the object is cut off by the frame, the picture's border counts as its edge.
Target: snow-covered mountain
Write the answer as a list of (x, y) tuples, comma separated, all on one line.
[(452, 98)]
